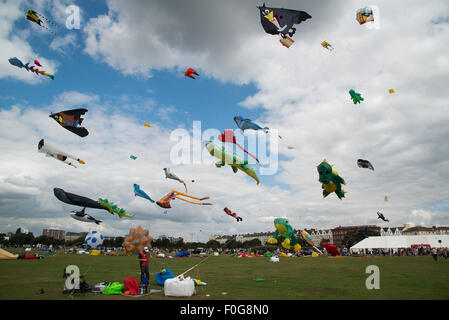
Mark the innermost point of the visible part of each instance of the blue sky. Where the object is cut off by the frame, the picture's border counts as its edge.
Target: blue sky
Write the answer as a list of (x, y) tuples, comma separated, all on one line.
[(128, 69)]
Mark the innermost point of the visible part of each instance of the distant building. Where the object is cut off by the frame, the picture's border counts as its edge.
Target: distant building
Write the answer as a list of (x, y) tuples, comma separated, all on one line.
[(319, 235), (70, 236), (338, 233), (421, 231), (53, 233)]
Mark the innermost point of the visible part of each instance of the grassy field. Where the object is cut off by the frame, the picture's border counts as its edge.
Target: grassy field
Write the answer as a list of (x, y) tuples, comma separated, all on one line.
[(402, 278)]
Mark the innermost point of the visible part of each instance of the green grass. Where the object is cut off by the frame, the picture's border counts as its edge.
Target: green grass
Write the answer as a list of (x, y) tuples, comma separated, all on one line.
[(403, 278)]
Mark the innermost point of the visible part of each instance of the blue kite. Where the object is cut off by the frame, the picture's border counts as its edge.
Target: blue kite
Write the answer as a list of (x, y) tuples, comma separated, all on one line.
[(245, 124), (16, 62), (139, 192)]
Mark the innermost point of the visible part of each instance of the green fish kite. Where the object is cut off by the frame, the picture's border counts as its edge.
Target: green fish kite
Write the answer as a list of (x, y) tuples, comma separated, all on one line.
[(231, 159)]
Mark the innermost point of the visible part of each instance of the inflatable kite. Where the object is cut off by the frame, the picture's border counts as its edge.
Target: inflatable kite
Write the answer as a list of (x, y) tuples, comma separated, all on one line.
[(37, 63), (76, 200), (34, 16), (139, 192), (51, 151), (331, 249), (381, 216), (42, 72), (327, 45), (245, 124), (309, 240), (356, 97), (132, 157), (231, 159), (232, 214), (391, 90), (71, 120), (112, 208), (331, 181), (280, 21), (16, 62), (190, 72), (84, 217), (136, 240), (147, 125), (165, 201), (365, 15), (228, 136), (94, 239), (285, 231), (170, 175), (364, 164)]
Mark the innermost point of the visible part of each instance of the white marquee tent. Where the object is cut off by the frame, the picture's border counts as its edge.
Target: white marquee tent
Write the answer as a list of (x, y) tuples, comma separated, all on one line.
[(395, 242)]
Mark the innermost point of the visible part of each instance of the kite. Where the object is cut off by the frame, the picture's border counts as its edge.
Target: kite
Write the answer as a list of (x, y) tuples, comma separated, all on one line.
[(16, 62), (365, 15), (42, 72), (190, 72), (169, 175), (83, 216), (136, 240), (165, 201), (309, 240), (34, 16), (327, 45), (245, 124), (381, 216), (386, 199), (391, 90), (71, 120), (364, 164), (331, 249), (285, 231), (280, 21), (112, 208), (51, 151), (231, 159), (330, 180), (133, 157), (141, 193), (356, 97), (76, 200), (228, 136), (232, 214), (37, 63), (147, 125)]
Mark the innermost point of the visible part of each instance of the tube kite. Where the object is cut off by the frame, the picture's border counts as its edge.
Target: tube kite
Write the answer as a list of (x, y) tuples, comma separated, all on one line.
[(330, 180), (285, 231), (71, 120), (231, 159), (84, 217), (34, 16), (139, 192), (165, 201), (356, 97), (232, 214), (228, 136), (280, 21), (170, 175), (190, 72), (364, 164), (51, 151)]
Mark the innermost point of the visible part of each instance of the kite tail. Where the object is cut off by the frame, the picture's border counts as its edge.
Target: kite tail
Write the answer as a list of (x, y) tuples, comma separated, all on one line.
[(49, 21), (247, 152), (185, 185)]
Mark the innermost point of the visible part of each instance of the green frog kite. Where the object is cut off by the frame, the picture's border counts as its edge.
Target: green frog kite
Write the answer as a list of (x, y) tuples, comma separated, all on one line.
[(331, 181), (285, 231)]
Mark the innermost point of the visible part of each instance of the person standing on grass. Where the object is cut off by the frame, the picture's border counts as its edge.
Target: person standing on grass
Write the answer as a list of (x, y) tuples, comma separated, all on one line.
[(434, 254), (144, 257)]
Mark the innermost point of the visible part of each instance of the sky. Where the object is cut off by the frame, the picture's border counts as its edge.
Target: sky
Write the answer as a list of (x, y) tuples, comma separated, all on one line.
[(125, 64)]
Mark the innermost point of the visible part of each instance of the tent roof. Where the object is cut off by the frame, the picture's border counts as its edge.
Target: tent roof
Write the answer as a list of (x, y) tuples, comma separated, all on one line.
[(393, 242)]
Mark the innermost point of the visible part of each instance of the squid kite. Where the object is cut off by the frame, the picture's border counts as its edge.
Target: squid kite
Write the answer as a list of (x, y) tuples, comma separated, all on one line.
[(71, 120), (330, 180), (364, 164), (231, 159), (139, 192), (165, 201), (228, 136), (51, 151), (232, 214), (84, 217), (280, 21), (356, 97), (34, 16), (170, 175), (327, 45), (190, 72)]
